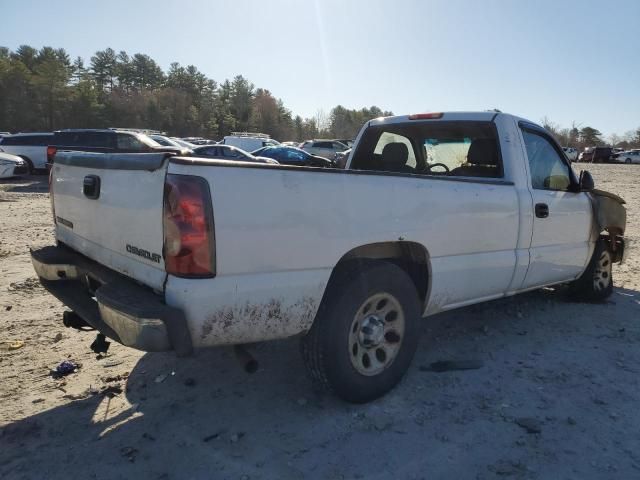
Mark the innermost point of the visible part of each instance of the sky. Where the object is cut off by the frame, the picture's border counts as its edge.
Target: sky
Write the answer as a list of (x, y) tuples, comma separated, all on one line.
[(570, 61)]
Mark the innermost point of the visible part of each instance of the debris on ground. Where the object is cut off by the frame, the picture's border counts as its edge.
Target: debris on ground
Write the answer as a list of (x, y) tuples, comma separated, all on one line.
[(65, 368), (111, 391), (57, 338), (15, 345), (449, 365), (129, 452), (112, 362), (190, 382), (116, 378), (213, 436), (531, 425)]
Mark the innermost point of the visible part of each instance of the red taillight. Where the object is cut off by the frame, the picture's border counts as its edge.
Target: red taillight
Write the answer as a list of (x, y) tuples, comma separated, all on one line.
[(188, 227), (51, 152), (425, 116)]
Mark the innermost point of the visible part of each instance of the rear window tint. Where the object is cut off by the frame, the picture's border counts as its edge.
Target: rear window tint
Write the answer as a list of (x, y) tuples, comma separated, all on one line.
[(84, 139)]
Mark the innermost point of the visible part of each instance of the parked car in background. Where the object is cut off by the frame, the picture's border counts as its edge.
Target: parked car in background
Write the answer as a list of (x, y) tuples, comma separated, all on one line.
[(631, 156), (228, 152), (290, 144), (341, 158), (11, 165), (167, 142), (31, 147), (199, 141), (106, 141), (586, 151), (596, 155), (293, 156), (347, 142), (323, 148), (182, 143), (571, 153), (248, 141)]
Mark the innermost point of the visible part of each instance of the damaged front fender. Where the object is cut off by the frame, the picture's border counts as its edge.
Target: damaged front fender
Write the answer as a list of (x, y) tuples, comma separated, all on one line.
[(610, 217)]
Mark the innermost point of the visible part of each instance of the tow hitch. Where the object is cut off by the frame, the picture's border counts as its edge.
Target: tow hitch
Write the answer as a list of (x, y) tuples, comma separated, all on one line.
[(100, 344)]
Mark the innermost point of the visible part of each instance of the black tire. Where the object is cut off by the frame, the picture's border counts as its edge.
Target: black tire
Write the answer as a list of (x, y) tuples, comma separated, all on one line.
[(628, 160), (29, 164), (596, 283), (330, 357)]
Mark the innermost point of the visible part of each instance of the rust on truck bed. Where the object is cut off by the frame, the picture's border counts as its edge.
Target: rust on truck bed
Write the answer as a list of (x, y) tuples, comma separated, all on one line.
[(259, 321)]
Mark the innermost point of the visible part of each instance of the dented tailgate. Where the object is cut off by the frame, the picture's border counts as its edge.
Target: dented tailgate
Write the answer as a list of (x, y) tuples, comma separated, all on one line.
[(109, 208)]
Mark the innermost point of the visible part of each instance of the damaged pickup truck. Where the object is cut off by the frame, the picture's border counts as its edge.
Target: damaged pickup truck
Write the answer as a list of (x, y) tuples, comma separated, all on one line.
[(433, 212)]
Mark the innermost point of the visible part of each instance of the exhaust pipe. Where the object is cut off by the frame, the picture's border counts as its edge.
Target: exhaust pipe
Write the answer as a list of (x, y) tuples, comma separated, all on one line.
[(249, 364)]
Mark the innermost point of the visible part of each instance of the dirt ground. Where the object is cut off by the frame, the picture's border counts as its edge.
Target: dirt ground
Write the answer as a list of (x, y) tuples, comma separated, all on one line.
[(557, 395)]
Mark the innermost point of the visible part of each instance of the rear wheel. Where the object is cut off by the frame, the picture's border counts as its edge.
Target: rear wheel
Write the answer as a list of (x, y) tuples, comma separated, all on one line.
[(596, 283), (365, 334), (29, 163), (628, 160)]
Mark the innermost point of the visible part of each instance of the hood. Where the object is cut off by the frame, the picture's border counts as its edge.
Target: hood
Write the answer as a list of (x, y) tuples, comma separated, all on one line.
[(7, 157)]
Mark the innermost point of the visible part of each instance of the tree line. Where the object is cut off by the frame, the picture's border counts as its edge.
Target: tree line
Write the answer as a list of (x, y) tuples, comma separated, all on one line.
[(45, 90), (580, 137)]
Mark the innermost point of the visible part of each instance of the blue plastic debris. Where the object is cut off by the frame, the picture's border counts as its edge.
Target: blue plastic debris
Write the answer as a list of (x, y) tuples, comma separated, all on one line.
[(65, 368)]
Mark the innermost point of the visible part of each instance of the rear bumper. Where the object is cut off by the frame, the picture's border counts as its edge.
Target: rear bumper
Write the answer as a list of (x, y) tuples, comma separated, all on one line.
[(113, 304)]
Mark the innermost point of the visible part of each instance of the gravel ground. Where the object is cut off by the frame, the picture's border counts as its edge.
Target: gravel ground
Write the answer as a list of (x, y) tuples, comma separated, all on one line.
[(555, 395)]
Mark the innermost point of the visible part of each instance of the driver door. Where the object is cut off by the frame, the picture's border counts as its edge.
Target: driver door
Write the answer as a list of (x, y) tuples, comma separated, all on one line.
[(560, 245)]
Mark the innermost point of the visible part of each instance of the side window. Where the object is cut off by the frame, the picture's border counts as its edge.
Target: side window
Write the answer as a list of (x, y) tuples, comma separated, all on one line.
[(210, 151), (128, 142), (295, 156), (276, 153), (547, 168), (232, 154), (42, 140), (97, 139), (9, 140), (323, 145)]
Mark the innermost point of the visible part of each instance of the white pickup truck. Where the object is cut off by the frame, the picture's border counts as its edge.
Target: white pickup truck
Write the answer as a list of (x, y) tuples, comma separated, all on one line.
[(433, 212)]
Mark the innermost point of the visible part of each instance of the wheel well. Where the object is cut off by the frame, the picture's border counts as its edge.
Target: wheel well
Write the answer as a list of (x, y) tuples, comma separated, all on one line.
[(412, 257), (27, 159)]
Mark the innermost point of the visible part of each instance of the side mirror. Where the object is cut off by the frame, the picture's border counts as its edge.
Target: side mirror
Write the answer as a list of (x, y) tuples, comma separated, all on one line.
[(586, 181)]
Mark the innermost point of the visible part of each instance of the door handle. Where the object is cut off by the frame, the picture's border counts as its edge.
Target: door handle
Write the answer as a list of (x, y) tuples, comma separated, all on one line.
[(542, 210)]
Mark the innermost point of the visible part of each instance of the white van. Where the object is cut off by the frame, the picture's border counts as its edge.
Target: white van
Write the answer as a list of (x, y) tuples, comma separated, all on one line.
[(248, 141), (31, 147)]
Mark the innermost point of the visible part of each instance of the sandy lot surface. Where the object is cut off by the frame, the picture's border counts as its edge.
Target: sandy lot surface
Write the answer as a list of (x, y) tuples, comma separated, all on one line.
[(557, 395)]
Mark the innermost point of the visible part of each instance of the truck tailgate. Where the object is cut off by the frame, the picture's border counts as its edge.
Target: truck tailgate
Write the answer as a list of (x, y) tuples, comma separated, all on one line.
[(109, 208)]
